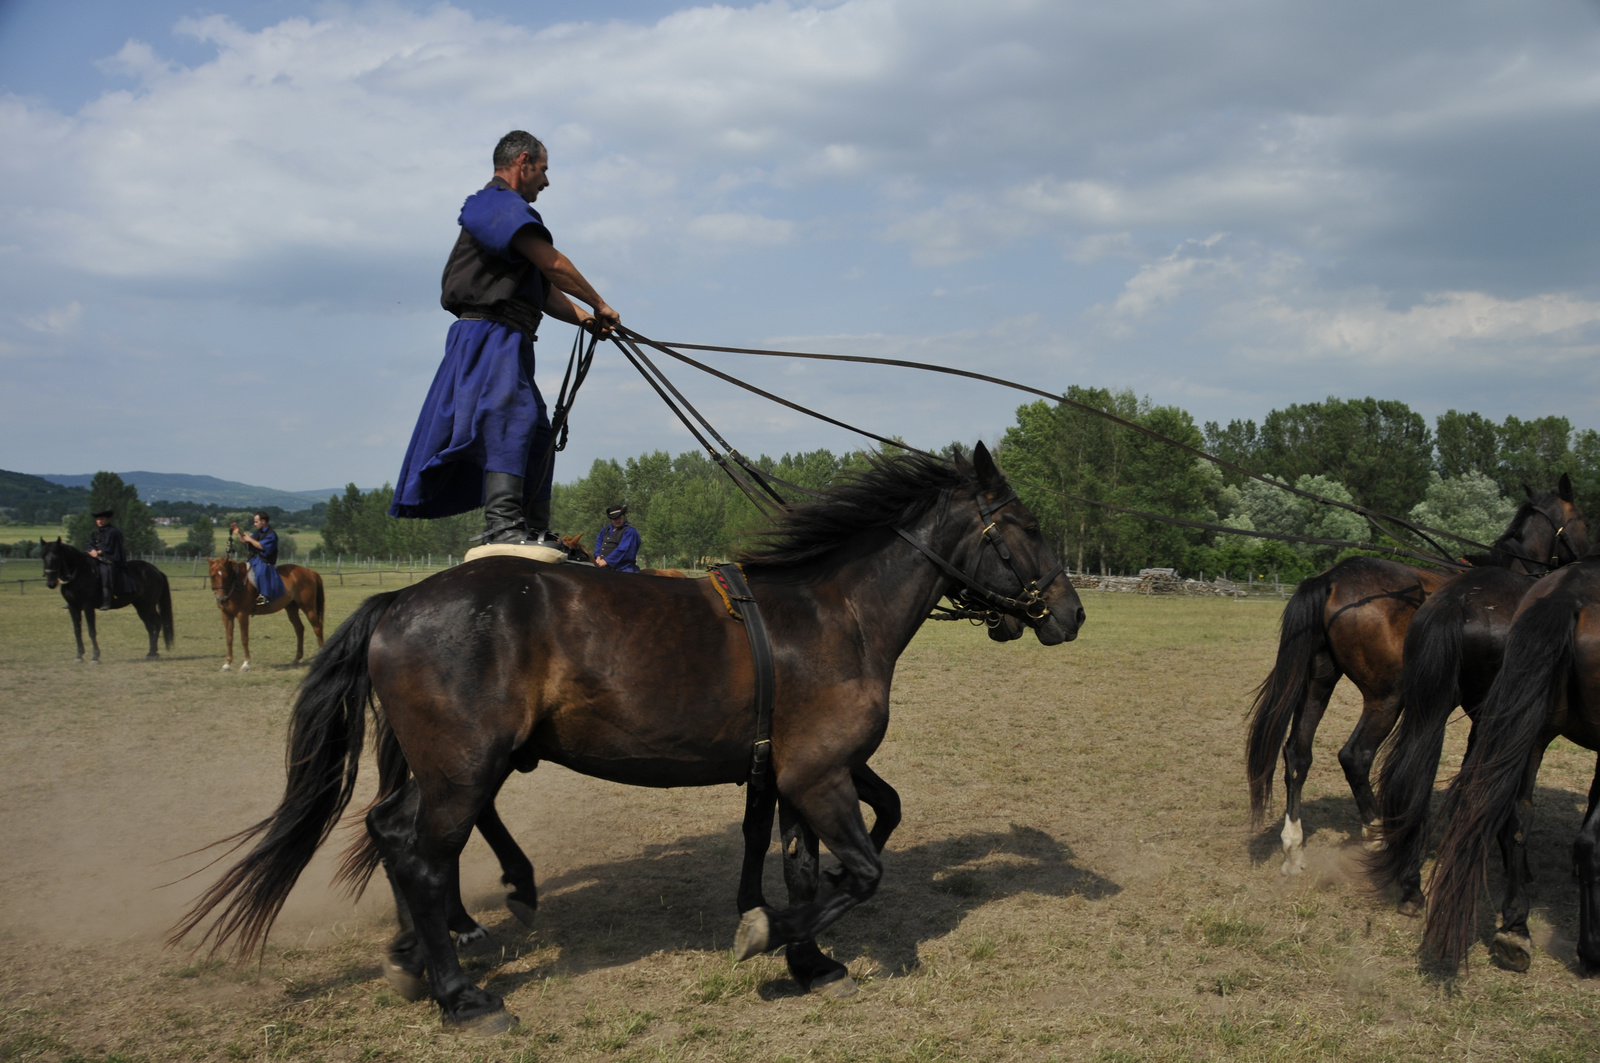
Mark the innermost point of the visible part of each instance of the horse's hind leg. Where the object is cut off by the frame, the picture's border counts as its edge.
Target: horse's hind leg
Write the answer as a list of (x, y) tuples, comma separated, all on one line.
[(420, 835), (1586, 857), (1378, 716), (516, 870), (299, 632), (152, 626), (807, 963), (1512, 947), (94, 635), (77, 629), (1297, 757)]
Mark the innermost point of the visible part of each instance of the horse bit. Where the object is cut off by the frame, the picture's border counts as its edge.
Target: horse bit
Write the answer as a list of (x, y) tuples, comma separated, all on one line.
[(1030, 601)]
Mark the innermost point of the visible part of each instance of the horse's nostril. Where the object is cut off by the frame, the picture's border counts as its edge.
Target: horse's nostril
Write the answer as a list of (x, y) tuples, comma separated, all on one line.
[(1080, 616)]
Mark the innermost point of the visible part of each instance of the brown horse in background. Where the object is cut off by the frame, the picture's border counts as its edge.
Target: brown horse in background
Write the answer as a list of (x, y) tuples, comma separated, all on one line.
[(1352, 621), (236, 597)]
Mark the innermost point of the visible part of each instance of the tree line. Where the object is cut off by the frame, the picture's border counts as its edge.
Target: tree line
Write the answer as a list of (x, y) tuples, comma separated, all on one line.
[(1465, 473)]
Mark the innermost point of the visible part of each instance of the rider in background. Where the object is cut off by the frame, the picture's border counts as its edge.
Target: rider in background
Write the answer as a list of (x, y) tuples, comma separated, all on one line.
[(616, 545), (105, 546), (263, 547)]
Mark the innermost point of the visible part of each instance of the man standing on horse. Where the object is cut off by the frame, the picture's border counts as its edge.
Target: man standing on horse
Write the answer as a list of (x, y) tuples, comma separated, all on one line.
[(616, 545), (105, 546), (483, 433), (263, 547)]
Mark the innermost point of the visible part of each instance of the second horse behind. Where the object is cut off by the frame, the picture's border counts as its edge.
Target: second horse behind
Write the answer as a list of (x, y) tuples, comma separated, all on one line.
[(236, 597)]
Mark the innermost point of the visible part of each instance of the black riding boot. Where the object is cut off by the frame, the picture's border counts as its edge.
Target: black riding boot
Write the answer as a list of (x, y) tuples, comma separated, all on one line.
[(105, 588), (502, 510)]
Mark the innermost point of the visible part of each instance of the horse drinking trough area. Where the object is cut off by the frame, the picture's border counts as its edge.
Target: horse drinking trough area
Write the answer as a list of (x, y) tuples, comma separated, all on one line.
[(1075, 876)]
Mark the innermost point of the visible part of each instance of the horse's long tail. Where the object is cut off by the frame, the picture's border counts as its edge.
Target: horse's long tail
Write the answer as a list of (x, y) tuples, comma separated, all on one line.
[(164, 608), (322, 604), (1410, 759), (361, 857), (1539, 654), (1302, 635), (325, 733)]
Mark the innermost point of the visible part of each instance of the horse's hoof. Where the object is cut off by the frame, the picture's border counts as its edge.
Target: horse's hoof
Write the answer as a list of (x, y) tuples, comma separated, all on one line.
[(412, 987), (245, 667), (486, 1025), (1514, 952), (478, 933), (1411, 907), (95, 661), (227, 668), (1294, 863), (841, 988), (754, 935), (521, 909)]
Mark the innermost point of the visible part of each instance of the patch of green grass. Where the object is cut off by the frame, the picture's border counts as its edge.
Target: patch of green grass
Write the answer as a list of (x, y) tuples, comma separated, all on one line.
[(1226, 930), (964, 883), (981, 948)]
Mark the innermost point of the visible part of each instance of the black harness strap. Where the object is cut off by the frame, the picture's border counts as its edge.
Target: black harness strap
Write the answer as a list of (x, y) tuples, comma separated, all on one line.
[(755, 628)]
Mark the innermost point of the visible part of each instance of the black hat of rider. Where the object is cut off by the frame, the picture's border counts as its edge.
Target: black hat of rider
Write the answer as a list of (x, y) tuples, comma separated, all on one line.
[(106, 513), (617, 511)]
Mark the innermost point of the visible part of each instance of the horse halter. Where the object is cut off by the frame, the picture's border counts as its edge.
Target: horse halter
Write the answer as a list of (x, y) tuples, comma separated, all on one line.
[(229, 580), (1029, 604), (1560, 540), (57, 570)]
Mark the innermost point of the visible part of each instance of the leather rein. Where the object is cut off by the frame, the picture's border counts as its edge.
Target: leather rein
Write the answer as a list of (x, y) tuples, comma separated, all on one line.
[(1028, 606)]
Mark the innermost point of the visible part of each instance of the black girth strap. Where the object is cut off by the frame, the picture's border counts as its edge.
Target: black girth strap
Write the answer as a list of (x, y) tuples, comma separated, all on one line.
[(748, 612)]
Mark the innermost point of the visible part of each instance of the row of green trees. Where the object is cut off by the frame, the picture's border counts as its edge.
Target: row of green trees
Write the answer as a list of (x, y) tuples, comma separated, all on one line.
[(1465, 474)]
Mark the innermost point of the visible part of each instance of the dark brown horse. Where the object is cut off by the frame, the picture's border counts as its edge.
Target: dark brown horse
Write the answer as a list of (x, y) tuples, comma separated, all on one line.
[(1548, 685), (1453, 652), (236, 597), (474, 685), (75, 572), (1351, 621)]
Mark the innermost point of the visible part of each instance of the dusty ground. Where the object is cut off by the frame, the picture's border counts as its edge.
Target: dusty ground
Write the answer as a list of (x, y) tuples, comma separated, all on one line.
[(1074, 878)]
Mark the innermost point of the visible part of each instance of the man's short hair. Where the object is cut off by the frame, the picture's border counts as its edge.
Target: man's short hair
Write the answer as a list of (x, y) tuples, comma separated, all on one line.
[(265, 518), (513, 144)]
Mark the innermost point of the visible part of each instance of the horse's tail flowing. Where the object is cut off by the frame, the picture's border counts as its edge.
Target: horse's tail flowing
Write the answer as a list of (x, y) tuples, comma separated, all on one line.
[(361, 857), (1301, 636), (1539, 654), (164, 609), (1410, 759), (325, 735), (322, 603)]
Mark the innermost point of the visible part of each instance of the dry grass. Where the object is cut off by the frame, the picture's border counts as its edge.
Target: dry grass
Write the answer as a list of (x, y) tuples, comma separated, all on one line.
[(1074, 878)]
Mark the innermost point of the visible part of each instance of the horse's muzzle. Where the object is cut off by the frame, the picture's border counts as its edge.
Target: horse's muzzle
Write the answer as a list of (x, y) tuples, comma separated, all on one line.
[(1054, 629)]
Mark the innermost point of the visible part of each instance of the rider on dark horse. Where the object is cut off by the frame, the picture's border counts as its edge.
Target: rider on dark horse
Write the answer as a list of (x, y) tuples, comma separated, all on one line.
[(483, 433), (263, 547), (105, 546)]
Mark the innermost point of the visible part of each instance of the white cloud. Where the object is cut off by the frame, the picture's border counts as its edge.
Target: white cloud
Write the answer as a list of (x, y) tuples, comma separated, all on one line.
[(741, 229)]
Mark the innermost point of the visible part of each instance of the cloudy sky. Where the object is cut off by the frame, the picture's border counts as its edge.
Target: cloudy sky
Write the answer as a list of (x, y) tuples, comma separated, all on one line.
[(222, 225)]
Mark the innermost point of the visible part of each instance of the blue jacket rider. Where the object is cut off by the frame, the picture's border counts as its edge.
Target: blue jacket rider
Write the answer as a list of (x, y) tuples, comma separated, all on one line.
[(616, 545), (263, 547)]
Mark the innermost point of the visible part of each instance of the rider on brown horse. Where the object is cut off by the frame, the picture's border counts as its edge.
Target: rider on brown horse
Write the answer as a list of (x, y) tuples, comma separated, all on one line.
[(263, 547)]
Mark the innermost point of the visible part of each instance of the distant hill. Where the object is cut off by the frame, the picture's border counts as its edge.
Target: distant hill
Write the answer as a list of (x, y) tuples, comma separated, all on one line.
[(35, 500), (182, 487)]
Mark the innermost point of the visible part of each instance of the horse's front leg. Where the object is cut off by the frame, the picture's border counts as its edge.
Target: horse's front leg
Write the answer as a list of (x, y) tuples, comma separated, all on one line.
[(882, 799), (244, 639), (759, 804), (802, 872), (830, 807), (227, 633), (77, 629), (94, 635)]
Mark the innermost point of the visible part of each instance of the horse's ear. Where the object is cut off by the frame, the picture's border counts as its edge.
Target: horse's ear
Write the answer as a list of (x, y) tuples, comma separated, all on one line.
[(989, 474), (1527, 491), (1564, 488)]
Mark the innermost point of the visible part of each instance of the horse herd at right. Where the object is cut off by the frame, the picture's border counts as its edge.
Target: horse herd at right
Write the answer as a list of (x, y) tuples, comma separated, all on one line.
[(1515, 641)]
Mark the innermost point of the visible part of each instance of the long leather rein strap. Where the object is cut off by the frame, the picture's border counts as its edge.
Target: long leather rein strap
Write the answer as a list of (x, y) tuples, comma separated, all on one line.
[(755, 628)]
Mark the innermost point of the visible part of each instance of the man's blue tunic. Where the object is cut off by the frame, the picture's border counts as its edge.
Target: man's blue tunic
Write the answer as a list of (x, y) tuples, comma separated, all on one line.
[(621, 556), (263, 565), (484, 413)]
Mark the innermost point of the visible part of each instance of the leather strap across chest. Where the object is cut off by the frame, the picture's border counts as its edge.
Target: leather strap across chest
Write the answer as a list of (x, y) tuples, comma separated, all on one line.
[(730, 583)]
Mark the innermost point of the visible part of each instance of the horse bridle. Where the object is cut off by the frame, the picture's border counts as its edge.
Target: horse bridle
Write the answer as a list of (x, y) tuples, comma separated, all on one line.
[(1561, 539), (58, 570), (1029, 605), (230, 580)]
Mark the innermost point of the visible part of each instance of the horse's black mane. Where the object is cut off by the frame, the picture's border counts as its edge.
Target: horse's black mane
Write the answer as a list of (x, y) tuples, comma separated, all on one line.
[(895, 489)]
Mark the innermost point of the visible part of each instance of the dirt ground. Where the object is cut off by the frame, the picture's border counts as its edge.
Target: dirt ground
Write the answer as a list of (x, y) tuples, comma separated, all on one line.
[(1075, 876)]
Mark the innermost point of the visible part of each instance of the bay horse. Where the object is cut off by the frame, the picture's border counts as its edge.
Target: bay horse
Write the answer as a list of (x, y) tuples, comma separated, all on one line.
[(1548, 685), (1453, 651), (493, 666), (1351, 621), (236, 598), (76, 573)]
